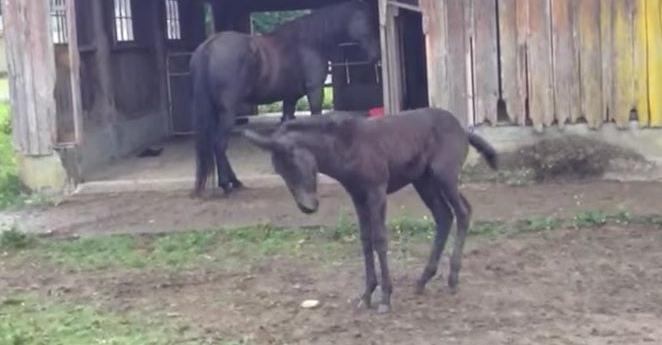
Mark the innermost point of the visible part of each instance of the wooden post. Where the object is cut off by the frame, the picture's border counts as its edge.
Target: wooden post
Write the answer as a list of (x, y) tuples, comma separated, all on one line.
[(74, 61), (31, 71)]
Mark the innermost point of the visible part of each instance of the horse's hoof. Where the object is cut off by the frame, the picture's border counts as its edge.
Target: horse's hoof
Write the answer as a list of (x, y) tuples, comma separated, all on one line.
[(237, 185), (419, 289), (196, 194), (363, 304), (383, 309), (453, 282)]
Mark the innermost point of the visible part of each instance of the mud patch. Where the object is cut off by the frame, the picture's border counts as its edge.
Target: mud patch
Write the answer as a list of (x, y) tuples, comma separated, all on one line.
[(568, 158)]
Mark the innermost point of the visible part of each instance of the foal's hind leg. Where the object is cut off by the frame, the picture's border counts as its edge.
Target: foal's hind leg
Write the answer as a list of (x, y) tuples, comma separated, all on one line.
[(443, 218), (445, 170)]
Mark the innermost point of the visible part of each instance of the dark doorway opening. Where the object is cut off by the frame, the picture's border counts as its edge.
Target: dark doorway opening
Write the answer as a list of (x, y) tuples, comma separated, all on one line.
[(414, 60)]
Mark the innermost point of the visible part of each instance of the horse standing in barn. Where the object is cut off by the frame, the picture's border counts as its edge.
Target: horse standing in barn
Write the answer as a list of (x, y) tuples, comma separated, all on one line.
[(232, 68)]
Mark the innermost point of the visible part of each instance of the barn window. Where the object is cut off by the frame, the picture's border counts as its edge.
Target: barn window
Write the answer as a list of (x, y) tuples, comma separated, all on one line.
[(59, 21), (123, 21), (173, 24)]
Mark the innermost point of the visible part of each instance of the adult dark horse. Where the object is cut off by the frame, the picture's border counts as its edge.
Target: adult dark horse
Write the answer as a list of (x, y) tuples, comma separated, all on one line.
[(233, 68), (372, 158)]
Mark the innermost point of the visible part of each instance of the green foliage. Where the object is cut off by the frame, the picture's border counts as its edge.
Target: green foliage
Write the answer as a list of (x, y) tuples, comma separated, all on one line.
[(265, 22), (10, 185), (302, 104)]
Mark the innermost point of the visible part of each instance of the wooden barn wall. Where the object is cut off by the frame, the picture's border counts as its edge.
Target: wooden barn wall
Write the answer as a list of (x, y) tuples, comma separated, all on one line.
[(546, 62), (31, 74)]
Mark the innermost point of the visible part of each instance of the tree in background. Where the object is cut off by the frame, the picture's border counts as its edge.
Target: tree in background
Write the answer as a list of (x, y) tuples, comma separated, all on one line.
[(264, 22)]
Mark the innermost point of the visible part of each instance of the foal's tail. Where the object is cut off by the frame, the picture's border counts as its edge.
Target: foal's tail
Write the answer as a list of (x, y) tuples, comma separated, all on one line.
[(485, 149), (205, 126)]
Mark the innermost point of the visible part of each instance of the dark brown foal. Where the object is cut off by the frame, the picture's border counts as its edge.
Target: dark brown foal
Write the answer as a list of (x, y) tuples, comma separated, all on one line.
[(372, 158)]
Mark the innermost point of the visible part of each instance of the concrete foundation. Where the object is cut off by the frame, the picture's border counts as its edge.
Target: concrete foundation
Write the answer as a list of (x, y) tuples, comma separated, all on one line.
[(110, 163), (45, 174)]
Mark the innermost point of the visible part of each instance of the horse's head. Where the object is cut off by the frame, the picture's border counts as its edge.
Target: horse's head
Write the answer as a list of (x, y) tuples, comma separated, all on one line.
[(362, 27), (295, 164)]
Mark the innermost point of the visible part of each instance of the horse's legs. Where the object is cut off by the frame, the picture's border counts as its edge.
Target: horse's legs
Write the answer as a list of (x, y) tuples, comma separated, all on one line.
[(289, 107), (315, 67), (443, 217), (363, 212), (377, 205), (447, 177), (315, 99), (227, 179)]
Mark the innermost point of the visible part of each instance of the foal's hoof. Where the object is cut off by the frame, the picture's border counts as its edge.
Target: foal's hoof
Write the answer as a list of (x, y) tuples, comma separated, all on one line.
[(452, 284), (383, 309), (419, 289), (362, 304)]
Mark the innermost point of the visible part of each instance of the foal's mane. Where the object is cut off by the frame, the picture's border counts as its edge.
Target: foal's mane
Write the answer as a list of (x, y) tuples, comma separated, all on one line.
[(322, 23), (324, 123)]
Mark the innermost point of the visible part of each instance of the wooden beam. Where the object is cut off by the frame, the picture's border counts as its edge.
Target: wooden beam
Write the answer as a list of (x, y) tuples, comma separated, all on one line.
[(31, 71), (74, 61), (654, 37)]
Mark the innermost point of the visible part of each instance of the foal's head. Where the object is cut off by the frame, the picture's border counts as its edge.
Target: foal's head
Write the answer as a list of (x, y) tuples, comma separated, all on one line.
[(295, 164)]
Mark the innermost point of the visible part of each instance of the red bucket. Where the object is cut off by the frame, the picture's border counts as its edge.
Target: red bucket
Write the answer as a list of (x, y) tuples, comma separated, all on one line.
[(376, 112)]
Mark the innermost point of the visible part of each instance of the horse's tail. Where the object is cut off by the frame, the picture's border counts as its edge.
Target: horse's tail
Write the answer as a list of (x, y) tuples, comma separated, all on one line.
[(204, 124), (486, 150)]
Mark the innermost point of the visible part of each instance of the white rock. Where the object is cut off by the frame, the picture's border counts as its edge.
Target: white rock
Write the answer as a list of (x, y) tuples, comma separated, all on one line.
[(310, 303)]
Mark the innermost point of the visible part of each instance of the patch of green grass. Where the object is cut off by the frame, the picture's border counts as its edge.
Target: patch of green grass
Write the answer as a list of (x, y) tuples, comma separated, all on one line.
[(535, 224), (29, 320), (16, 240), (589, 219), (247, 245)]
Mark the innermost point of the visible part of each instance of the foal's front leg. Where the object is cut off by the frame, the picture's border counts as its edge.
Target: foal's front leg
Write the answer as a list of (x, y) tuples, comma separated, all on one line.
[(363, 213), (377, 209), (380, 242)]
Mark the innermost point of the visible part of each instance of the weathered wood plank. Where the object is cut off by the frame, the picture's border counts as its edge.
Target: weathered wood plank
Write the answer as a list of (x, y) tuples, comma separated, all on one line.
[(641, 64), (566, 68), (590, 61), (31, 70), (74, 63), (458, 73), (434, 28), (485, 61), (654, 37), (623, 61), (522, 58), (508, 47), (541, 99), (606, 46)]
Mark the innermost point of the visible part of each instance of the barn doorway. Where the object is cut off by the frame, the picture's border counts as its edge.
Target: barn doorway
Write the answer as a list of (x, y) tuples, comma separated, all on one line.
[(413, 57)]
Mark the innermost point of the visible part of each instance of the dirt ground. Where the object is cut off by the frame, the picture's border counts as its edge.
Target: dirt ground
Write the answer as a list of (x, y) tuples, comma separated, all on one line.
[(149, 212), (591, 286)]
